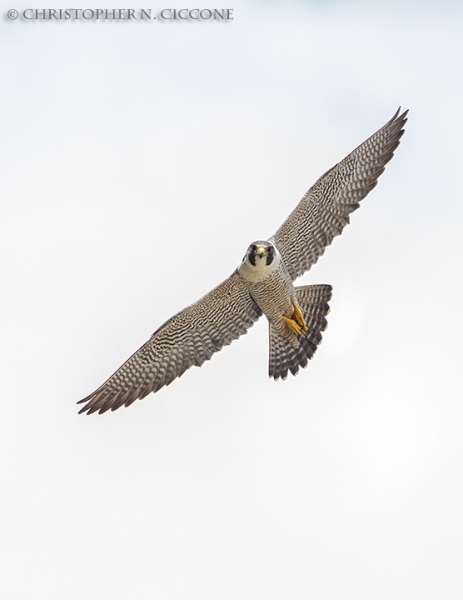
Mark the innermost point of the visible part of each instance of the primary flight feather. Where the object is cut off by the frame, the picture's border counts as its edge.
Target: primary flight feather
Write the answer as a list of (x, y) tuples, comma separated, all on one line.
[(262, 284)]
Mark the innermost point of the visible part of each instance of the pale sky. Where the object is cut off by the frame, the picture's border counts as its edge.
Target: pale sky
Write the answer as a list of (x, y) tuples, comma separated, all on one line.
[(139, 160)]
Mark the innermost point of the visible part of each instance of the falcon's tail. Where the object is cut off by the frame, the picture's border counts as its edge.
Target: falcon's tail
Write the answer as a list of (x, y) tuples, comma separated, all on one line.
[(313, 302)]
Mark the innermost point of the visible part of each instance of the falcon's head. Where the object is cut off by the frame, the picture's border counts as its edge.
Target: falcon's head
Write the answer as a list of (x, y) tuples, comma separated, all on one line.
[(259, 261), (260, 254)]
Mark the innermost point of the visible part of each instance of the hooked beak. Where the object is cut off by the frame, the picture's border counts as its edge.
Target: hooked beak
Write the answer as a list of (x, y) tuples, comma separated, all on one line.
[(260, 252)]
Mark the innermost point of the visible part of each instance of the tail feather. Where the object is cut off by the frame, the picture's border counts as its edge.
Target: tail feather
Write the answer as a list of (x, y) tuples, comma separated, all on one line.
[(313, 302)]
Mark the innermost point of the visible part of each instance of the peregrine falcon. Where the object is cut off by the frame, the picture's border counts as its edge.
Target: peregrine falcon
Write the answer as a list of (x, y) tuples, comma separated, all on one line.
[(263, 283)]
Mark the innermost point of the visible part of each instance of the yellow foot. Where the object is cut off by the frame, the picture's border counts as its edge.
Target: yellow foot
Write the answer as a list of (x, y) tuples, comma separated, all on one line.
[(293, 326), (299, 317)]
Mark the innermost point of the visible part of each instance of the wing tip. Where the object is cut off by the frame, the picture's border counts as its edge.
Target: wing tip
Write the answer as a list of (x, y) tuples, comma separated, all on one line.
[(400, 118)]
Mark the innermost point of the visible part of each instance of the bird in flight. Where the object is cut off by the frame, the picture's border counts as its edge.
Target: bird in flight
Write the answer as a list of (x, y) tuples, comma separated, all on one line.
[(262, 284)]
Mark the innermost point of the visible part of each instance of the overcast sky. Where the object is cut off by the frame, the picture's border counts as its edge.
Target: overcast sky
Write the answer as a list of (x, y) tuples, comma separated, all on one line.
[(139, 160)]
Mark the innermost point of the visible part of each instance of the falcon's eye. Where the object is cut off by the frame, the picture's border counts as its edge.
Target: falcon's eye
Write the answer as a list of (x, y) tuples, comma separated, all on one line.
[(270, 256), (252, 255)]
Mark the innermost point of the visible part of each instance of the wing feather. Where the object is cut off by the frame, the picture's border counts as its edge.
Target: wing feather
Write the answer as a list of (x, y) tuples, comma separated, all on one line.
[(324, 211), (188, 339)]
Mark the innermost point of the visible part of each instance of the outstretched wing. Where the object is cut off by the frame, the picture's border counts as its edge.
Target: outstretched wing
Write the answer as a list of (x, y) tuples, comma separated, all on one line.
[(324, 210), (188, 338)]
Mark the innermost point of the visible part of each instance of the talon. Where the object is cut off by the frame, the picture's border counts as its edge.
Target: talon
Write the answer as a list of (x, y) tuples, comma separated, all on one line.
[(293, 326), (299, 317)]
